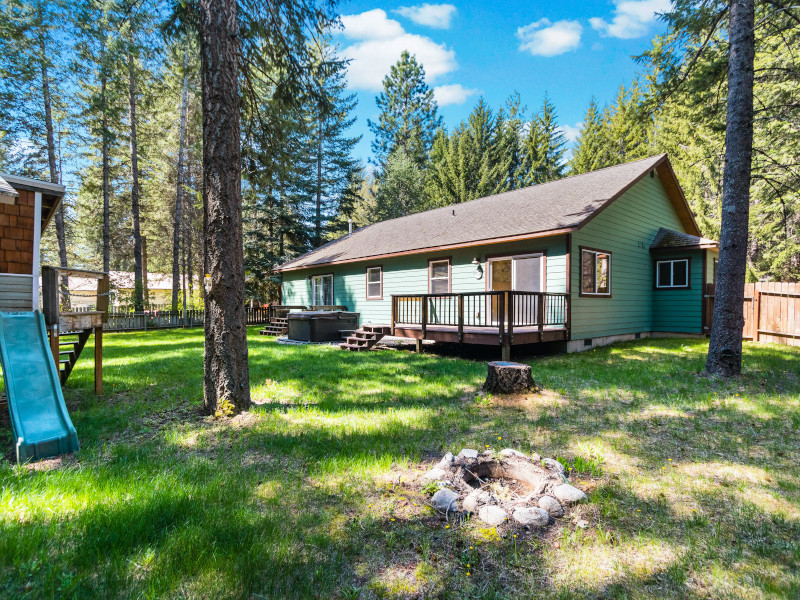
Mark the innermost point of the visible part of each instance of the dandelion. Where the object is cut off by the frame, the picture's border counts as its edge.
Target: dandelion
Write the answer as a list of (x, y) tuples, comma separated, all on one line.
[(447, 526), (468, 566), (392, 519), (467, 573), (487, 445), (515, 535), (499, 438), (470, 547), (669, 459), (694, 510), (638, 510)]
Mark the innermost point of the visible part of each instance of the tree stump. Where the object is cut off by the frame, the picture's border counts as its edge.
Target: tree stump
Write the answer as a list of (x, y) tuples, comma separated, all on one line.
[(509, 378)]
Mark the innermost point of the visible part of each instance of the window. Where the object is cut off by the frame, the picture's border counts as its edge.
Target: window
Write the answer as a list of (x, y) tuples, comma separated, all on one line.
[(595, 272), (374, 283), (439, 276), (673, 273), (322, 290)]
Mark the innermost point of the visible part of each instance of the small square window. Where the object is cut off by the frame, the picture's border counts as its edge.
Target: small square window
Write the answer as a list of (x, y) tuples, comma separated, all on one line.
[(672, 274)]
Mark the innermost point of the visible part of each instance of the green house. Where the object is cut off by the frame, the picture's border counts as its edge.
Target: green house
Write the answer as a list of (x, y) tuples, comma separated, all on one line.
[(587, 260)]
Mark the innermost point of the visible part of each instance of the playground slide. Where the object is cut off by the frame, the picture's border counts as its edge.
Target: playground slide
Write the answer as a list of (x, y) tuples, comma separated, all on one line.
[(39, 418)]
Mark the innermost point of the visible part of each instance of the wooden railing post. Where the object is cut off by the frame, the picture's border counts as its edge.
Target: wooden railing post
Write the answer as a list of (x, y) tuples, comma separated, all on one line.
[(394, 312), (511, 316), (540, 313), (424, 300), (460, 318)]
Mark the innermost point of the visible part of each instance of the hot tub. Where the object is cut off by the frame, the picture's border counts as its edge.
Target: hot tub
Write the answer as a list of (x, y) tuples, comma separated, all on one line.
[(320, 326)]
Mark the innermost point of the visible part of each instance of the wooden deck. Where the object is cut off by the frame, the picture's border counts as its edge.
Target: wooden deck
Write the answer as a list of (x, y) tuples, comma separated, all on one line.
[(504, 318), (484, 336)]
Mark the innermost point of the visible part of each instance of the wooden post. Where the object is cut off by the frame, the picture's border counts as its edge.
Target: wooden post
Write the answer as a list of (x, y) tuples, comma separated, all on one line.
[(98, 360), (418, 345), (102, 297), (394, 312), (460, 318), (540, 313), (511, 315), (424, 300), (756, 312)]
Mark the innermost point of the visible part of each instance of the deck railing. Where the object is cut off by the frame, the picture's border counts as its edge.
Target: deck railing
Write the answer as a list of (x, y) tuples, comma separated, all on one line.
[(503, 310)]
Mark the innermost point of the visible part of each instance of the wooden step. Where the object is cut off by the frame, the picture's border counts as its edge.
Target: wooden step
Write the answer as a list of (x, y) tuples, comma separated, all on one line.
[(352, 348), (383, 329)]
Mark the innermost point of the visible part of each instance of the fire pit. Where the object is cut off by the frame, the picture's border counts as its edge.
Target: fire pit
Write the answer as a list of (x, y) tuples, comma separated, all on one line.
[(498, 487)]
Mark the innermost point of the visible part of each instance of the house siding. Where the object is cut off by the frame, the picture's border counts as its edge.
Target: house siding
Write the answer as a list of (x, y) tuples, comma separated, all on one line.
[(409, 275), (626, 229), (16, 292), (680, 310)]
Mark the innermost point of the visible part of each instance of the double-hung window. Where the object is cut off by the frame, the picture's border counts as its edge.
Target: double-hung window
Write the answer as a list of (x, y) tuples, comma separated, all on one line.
[(322, 290), (672, 273), (374, 283), (595, 272), (439, 276)]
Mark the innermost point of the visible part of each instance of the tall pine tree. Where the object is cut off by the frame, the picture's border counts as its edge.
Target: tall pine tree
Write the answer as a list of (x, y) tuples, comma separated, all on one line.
[(408, 116)]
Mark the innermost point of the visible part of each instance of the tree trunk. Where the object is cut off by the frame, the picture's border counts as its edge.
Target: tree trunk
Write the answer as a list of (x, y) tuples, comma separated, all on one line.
[(509, 378), (51, 160), (138, 287), (105, 151), (318, 219), (226, 382), (176, 224), (725, 346)]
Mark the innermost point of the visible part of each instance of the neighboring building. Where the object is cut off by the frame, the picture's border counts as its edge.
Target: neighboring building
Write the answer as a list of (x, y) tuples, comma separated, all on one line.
[(586, 260), (26, 207), (159, 289)]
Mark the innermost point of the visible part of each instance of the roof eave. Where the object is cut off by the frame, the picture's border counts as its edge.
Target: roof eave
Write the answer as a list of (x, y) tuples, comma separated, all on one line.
[(485, 242)]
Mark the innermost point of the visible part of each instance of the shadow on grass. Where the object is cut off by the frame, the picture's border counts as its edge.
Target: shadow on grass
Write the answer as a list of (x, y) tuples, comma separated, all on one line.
[(296, 500)]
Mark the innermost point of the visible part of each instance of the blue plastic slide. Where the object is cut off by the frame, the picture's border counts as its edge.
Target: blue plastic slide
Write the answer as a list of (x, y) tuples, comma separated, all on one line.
[(39, 417)]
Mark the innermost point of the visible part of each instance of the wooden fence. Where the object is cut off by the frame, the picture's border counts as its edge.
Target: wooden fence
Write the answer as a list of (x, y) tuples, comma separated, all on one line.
[(771, 312), (171, 319)]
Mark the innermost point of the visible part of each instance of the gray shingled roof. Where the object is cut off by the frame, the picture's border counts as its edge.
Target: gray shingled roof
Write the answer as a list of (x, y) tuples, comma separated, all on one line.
[(556, 205), (667, 238), (6, 189)]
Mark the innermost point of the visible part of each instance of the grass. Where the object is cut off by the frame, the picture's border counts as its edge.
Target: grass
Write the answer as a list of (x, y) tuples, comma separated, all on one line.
[(694, 482)]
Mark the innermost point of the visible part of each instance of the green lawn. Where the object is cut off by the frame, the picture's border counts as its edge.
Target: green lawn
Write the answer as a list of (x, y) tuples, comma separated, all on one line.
[(694, 483)]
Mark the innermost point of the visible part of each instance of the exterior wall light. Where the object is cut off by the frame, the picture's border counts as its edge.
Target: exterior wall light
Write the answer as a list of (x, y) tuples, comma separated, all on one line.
[(478, 268)]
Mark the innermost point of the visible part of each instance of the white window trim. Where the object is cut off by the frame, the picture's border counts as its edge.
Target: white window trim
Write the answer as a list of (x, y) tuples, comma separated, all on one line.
[(580, 273), (380, 281), (314, 289), (512, 257), (431, 278), (671, 262)]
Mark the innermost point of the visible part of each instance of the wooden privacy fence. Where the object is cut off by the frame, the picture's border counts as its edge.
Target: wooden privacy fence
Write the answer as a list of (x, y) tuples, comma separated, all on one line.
[(771, 312)]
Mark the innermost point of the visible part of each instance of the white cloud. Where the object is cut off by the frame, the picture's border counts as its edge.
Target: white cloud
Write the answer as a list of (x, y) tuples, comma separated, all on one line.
[(571, 132), (371, 25), (543, 38), (379, 41), (438, 16), (452, 94), (632, 18)]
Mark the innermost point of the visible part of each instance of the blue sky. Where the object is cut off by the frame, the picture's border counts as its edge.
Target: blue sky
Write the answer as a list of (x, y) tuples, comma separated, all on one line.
[(571, 50)]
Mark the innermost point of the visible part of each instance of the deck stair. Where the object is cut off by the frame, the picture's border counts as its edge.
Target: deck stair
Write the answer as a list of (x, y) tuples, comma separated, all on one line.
[(365, 338), (277, 326), (70, 346)]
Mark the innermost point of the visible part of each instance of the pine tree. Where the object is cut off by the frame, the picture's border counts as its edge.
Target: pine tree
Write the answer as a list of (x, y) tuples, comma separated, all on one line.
[(627, 129), (402, 187), (408, 113), (332, 117), (471, 162), (544, 147), (587, 155)]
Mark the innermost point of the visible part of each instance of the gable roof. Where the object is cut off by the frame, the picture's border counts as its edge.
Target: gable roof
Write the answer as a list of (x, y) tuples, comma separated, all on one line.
[(6, 189), (536, 211), (52, 193), (667, 239)]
